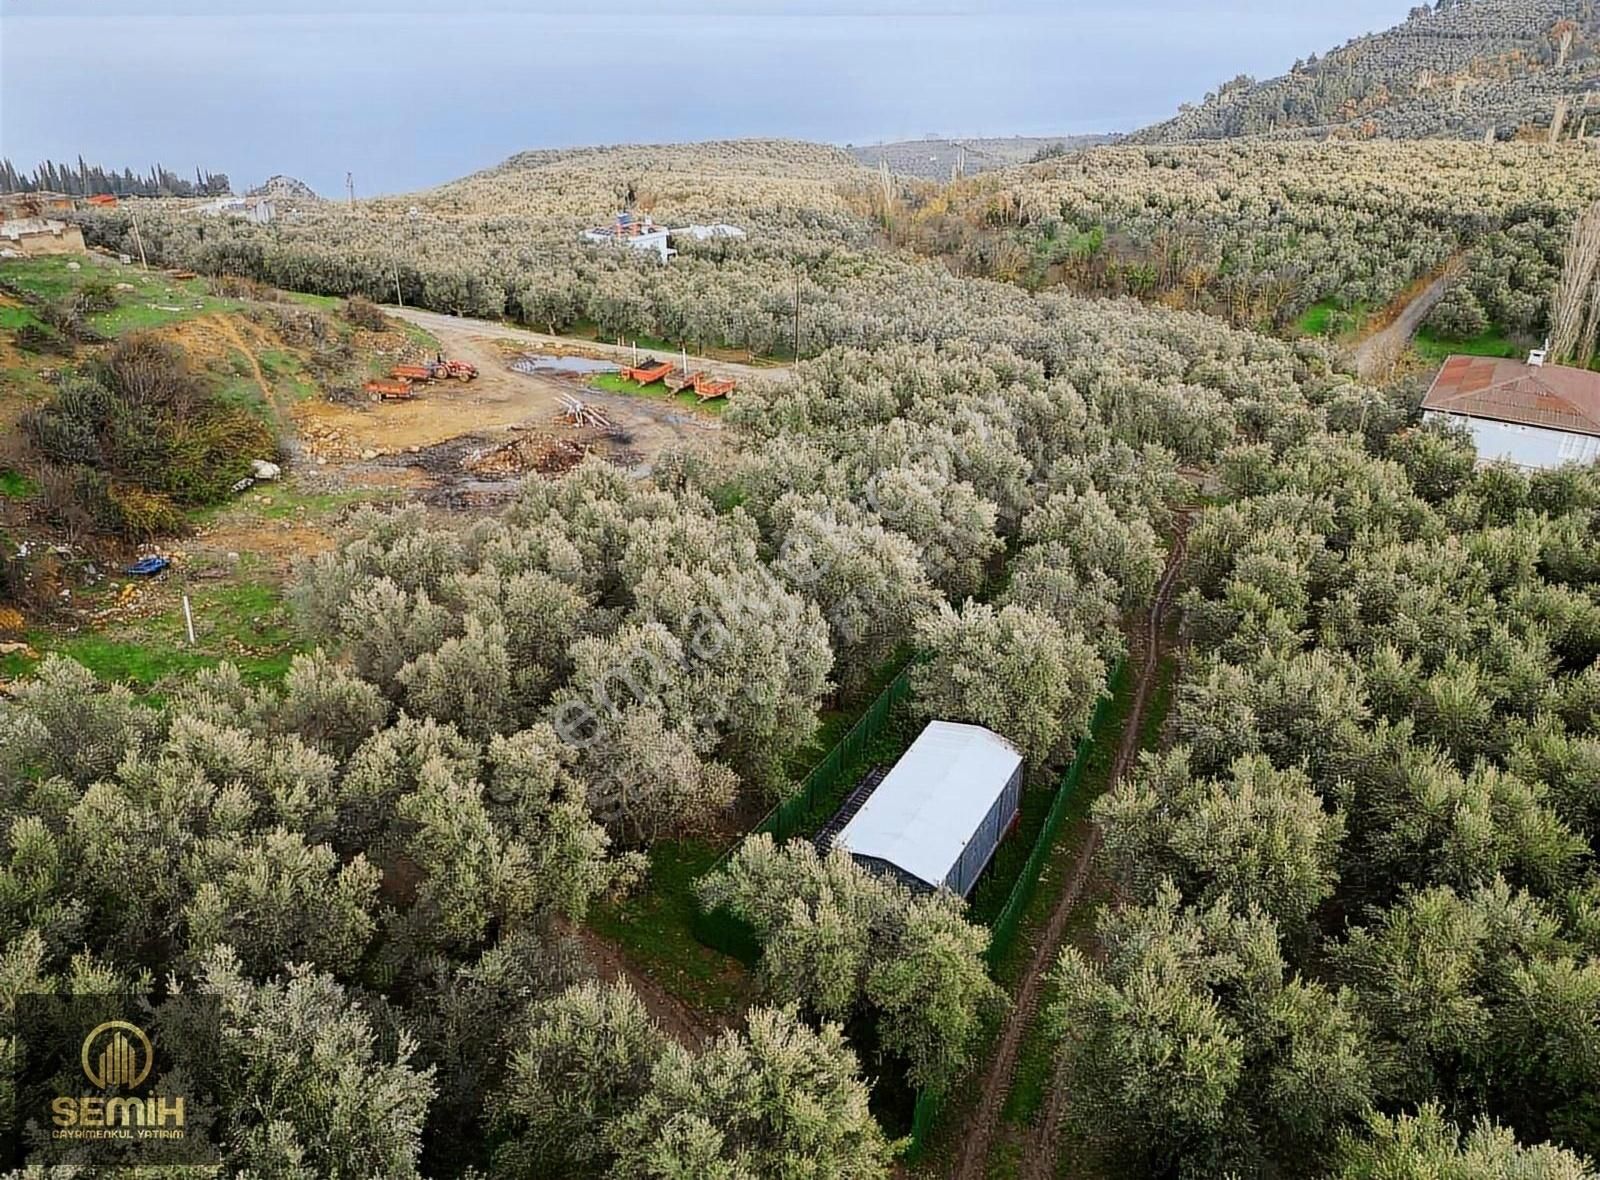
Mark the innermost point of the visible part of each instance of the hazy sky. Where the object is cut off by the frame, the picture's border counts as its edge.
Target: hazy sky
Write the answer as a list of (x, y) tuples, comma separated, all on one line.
[(408, 93)]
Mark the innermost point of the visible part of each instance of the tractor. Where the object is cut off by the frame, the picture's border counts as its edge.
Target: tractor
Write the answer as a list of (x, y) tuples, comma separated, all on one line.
[(435, 370)]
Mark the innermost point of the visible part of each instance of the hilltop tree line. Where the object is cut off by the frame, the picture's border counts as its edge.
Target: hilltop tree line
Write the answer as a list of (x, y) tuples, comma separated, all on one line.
[(85, 180), (1454, 69), (1258, 232)]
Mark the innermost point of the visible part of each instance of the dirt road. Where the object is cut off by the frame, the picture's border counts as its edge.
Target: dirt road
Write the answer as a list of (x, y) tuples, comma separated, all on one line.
[(680, 1022), (1376, 355), (1038, 1162), (449, 329)]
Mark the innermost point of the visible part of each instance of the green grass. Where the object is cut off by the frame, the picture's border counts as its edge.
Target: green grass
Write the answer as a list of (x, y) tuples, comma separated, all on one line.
[(612, 383), (319, 302), (246, 625), (1490, 343), (835, 723), (655, 928), (287, 373), (146, 306), (12, 318), (288, 501), (418, 336), (16, 486), (1328, 317), (1315, 320)]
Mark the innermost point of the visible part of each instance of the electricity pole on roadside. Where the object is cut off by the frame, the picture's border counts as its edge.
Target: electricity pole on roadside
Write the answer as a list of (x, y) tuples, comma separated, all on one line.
[(797, 314)]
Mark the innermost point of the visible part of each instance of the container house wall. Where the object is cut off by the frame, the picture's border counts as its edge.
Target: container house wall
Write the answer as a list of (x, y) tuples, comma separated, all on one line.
[(981, 847)]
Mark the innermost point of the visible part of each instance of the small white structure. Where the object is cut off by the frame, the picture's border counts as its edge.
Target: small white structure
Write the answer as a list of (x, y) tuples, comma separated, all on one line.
[(705, 233), (640, 233), (935, 820), (40, 235), (257, 209), (1530, 414)]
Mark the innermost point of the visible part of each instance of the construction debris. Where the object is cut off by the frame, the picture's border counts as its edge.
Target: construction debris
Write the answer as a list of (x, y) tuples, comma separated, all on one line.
[(577, 412), (520, 455)]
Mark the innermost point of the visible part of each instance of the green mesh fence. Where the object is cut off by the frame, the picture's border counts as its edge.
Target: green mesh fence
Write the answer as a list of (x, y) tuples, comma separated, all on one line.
[(823, 790), (1003, 932), (923, 1116), (819, 795)]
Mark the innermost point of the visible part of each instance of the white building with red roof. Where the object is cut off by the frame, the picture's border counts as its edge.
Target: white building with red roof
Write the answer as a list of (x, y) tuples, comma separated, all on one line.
[(1528, 413)]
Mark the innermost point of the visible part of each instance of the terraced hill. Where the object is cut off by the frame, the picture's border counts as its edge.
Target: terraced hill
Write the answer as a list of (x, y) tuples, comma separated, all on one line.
[(1460, 69)]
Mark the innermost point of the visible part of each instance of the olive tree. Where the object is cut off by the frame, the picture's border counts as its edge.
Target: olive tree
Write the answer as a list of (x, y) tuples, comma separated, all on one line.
[(1019, 673)]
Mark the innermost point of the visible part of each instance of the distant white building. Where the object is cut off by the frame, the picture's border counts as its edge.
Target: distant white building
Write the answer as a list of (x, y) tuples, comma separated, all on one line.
[(257, 209), (705, 233), (27, 236), (1528, 413), (640, 233)]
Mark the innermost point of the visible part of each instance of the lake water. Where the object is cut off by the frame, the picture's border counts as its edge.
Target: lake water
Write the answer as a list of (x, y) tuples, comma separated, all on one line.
[(406, 95)]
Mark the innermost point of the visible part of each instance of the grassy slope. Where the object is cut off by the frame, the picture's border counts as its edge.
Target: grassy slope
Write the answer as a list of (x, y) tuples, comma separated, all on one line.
[(239, 615), (1491, 343)]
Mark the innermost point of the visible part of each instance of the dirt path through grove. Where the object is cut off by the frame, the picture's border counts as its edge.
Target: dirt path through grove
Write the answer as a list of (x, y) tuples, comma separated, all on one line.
[(978, 1139)]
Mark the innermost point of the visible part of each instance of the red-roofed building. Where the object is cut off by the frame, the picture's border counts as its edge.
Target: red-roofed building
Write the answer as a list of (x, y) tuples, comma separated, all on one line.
[(1524, 412)]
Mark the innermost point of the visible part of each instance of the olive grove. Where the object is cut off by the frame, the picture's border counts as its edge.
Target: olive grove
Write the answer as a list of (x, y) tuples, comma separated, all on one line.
[(1375, 823)]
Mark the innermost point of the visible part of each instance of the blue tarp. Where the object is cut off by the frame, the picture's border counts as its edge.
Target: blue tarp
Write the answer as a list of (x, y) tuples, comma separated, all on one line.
[(146, 566)]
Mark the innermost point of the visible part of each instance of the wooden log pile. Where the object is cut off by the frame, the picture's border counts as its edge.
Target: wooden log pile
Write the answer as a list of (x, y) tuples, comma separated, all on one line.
[(576, 412)]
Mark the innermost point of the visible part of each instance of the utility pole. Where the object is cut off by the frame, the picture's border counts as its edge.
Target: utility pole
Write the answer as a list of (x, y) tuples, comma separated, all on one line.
[(350, 188), (139, 238)]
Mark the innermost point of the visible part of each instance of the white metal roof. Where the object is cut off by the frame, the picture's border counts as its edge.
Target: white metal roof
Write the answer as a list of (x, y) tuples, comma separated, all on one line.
[(929, 805)]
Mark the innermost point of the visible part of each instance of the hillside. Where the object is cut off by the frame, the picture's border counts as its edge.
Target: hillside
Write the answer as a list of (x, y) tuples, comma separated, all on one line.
[(285, 188), (939, 159), (1457, 70)]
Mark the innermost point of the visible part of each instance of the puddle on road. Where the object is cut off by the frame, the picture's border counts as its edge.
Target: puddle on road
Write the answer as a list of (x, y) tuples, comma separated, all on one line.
[(541, 365)]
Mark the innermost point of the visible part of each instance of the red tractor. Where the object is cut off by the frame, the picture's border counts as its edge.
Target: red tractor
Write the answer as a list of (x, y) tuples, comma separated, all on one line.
[(435, 370)]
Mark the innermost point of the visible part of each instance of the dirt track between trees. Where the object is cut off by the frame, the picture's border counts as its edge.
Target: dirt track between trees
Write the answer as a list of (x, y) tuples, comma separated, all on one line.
[(453, 327), (1038, 1161), (680, 1022), (1378, 353)]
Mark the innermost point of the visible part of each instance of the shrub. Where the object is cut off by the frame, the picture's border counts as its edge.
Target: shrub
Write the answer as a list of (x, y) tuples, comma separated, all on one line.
[(241, 287), (96, 294), (38, 338), (364, 314), (126, 449)]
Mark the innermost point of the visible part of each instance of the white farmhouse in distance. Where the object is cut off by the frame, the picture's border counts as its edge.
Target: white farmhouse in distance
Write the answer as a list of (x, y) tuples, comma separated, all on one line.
[(641, 233), (638, 232), (1528, 413)]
